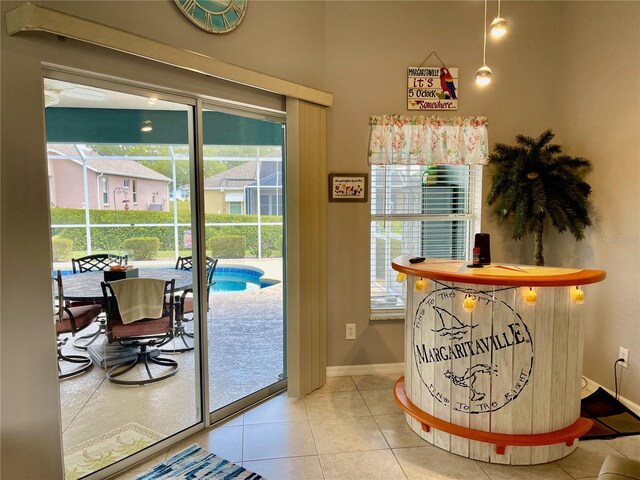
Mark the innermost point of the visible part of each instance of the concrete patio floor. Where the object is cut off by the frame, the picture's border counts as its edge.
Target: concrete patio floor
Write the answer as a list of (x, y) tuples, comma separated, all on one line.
[(245, 350)]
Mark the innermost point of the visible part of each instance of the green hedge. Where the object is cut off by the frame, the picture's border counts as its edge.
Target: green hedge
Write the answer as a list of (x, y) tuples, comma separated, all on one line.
[(232, 246), (142, 248), (61, 249), (112, 238)]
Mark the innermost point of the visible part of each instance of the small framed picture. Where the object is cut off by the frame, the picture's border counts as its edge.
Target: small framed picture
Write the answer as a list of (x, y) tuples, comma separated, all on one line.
[(348, 187)]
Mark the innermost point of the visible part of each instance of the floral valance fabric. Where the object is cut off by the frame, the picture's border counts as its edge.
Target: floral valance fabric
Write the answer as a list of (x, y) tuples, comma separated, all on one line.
[(396, 139)]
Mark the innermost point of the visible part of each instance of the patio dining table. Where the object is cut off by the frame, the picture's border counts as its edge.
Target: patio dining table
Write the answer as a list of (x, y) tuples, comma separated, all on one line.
[(86, 286)]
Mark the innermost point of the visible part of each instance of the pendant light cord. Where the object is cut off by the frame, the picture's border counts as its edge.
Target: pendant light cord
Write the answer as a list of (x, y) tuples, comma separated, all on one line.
[(498, 8), (484, 45)]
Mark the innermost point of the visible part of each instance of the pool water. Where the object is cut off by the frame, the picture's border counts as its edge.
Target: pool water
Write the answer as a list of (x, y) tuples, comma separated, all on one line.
[(236, 279)]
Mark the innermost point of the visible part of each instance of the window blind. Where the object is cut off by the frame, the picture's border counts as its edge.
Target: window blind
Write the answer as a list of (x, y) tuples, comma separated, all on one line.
[(419, 210)]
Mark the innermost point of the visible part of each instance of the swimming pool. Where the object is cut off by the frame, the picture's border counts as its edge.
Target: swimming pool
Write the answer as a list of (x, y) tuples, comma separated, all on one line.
[(238, 279)]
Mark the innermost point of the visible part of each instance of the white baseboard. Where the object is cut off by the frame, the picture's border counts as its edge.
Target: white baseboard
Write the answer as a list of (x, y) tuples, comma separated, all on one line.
[(373, 369), (593, 386)]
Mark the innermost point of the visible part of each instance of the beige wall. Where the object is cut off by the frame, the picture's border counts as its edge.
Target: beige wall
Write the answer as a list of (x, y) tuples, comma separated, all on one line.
[(368, 47), (214, 202), (359, 51), (598, 114)]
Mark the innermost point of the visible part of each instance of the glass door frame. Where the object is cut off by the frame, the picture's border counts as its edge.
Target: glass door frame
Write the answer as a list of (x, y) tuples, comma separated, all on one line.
[(200, 360), (196, 153), (281, 385)]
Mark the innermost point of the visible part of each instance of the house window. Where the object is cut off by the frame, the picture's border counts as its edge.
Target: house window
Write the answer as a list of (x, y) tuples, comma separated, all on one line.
[(125, 183), (134, 191), (418, 210), (235, 208), (105, 190)]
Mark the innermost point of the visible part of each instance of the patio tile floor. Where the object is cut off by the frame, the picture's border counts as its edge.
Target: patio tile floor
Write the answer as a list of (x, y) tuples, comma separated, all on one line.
[(245, 348)]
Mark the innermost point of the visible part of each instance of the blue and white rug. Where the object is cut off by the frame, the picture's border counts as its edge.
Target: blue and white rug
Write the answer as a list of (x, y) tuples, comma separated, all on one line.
[(196, 463)]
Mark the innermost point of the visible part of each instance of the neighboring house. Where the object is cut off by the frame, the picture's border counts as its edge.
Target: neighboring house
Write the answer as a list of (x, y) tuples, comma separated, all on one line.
[(234, 191), (112, 184)]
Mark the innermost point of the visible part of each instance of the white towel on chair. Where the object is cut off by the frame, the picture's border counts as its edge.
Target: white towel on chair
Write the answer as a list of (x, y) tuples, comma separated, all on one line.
[(139, 298)]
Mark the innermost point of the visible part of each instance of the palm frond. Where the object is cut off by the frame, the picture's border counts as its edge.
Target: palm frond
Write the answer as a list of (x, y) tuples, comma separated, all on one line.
[(533, 180)]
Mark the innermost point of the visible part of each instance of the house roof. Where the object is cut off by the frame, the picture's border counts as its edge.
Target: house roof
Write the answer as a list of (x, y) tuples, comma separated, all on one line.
[(245, 175), (126, 168), (110, 166), (236, 177)]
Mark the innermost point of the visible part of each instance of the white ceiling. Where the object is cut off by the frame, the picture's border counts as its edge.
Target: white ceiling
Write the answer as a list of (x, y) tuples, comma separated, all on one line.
[(80, 96)]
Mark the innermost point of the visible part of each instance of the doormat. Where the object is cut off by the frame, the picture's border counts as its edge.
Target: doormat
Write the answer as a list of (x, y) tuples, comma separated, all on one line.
[(106, 449), (610, 417), (196, 463)]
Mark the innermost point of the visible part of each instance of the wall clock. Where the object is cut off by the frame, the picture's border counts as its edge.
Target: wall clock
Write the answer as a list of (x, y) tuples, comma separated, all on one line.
[(214, 16)]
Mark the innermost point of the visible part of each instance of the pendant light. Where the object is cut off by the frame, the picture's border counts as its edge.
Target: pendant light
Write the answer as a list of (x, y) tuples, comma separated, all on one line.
[(499, 25), (483, 75)]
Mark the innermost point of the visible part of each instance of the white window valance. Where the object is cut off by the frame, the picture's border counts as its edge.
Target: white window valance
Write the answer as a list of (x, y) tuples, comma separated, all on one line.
[(396, 139)]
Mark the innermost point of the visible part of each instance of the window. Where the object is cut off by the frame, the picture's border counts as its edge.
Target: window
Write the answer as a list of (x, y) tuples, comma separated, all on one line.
[(235, 208), (125, 183), (105, 190), (419, 210), (134, 191)]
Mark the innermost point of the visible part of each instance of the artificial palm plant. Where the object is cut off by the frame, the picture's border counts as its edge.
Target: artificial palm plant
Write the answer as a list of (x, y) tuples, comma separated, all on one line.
[(533, 181)]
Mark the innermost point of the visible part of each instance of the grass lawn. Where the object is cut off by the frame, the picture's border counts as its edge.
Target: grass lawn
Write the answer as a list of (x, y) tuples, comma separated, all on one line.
[(184, 207)]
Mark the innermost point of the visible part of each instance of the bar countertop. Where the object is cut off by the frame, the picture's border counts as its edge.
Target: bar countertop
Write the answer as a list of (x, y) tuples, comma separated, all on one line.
[(497, 273)]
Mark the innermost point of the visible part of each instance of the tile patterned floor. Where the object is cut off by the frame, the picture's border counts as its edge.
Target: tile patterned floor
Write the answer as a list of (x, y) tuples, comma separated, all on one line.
[(347, 430)]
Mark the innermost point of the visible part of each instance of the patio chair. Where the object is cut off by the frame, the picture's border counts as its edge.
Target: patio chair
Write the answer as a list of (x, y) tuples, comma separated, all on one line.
[(92, 263), (97, 261), (144, 335), (184, 305), (72, 320)]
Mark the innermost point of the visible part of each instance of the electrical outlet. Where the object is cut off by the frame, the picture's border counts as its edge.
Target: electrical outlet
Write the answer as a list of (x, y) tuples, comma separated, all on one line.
[(624, 354), (351, 331)]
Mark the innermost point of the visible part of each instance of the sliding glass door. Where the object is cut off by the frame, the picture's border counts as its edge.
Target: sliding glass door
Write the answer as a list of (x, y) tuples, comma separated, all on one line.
[(125, 178), (118, 165), (244, 231)]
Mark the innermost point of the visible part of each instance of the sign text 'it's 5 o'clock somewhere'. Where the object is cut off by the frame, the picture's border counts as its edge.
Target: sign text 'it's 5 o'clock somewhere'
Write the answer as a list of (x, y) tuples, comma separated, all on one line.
[(432, 88)]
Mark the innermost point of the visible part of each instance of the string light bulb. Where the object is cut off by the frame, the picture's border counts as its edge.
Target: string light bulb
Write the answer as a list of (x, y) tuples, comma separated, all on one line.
[(530, 296), (401, 277), (577, 295), (483, 75), (499, 25), (469, 303), (420, 285)]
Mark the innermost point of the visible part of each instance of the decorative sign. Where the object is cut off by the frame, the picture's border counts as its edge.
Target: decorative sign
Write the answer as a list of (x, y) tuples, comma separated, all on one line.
[(348, 187), (466, 356), (432, 88)]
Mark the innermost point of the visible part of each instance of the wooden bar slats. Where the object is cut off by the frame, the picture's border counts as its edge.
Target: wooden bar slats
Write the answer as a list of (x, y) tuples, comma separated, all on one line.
[(521, 390)]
